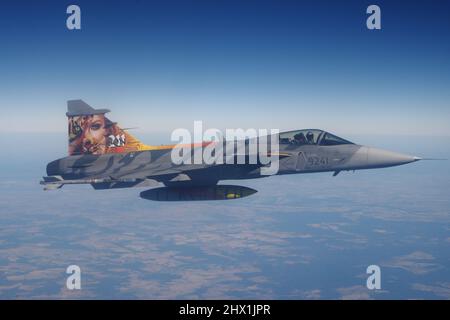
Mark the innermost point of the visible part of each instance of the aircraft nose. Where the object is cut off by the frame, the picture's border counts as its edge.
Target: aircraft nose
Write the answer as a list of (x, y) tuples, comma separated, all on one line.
[(378, 158)]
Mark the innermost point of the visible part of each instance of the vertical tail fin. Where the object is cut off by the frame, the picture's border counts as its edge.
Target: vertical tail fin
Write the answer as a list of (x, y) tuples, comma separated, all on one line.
[(91, 132)]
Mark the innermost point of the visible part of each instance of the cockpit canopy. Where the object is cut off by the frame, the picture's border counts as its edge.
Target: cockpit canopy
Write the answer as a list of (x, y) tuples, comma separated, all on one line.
[(311, 137)]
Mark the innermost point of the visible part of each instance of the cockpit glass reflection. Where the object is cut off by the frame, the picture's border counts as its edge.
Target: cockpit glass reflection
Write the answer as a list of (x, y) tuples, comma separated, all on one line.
[(332, 140), (311, 137)]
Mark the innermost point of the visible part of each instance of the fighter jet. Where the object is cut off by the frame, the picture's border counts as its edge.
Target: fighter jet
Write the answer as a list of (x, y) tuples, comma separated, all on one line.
[(106, 156)]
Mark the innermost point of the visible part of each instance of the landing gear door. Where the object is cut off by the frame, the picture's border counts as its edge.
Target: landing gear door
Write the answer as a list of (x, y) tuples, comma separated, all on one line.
[(301, 162), (295, 162)]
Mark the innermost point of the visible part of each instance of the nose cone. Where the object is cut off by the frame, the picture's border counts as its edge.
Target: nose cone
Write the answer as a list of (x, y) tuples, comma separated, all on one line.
[(379, 158)]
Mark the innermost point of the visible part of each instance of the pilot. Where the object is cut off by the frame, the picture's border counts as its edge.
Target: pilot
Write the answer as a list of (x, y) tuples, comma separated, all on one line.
[(299, 138), (310, 137)]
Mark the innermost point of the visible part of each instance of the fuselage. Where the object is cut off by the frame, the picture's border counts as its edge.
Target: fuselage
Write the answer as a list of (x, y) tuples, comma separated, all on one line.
[(106, 156), (305, 151)]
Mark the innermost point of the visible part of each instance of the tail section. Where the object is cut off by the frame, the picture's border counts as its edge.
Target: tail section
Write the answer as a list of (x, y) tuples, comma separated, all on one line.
[(91, 132)]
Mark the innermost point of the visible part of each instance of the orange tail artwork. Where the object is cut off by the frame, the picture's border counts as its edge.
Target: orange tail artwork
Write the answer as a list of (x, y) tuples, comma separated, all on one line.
[(91, 132)]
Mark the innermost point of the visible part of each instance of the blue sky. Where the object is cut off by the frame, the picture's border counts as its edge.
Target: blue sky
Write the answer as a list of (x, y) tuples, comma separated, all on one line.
[(160, 65)]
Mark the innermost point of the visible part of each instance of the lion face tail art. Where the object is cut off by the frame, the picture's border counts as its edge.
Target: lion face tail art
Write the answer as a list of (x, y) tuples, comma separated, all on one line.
[(91, 132)]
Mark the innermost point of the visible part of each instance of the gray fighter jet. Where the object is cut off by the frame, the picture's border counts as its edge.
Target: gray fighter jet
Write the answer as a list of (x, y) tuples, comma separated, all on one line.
[(107, 157)]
